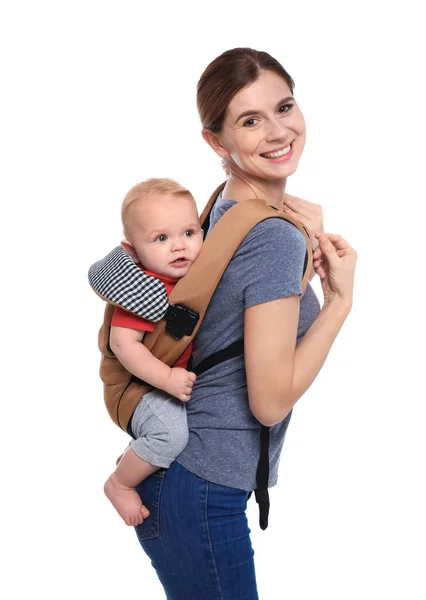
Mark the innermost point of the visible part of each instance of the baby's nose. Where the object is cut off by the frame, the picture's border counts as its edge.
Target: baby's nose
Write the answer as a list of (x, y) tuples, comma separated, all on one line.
[(178, 244)]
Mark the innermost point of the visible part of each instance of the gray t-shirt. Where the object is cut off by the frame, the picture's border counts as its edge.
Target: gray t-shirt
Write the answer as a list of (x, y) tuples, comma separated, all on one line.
[(224, 436)]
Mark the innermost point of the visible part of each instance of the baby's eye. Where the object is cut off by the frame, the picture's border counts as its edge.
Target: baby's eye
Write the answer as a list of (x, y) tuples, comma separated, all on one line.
[(250, 122), (189, 232), (161, 238)]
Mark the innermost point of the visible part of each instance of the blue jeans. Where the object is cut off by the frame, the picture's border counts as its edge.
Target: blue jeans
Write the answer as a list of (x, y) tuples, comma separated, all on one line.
[(197, 537)]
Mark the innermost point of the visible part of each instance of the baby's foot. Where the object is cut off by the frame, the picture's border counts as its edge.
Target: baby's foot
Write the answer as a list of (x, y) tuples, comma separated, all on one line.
[(126, 501)]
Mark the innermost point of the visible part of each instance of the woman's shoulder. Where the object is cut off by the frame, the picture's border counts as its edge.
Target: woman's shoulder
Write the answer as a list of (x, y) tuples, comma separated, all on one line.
[(268, 264), (274, 248), (268, 231), (277, 231), (270, 261)]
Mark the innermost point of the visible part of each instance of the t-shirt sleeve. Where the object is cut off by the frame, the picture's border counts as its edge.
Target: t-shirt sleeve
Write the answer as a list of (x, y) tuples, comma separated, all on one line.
[(123, 318), (272, 258)]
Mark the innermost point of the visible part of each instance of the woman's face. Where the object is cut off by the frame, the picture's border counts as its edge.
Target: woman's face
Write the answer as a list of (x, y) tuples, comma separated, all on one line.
[(264, 130)]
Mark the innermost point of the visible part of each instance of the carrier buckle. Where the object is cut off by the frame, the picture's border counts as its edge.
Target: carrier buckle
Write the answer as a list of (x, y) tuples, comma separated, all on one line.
[(181, 320)]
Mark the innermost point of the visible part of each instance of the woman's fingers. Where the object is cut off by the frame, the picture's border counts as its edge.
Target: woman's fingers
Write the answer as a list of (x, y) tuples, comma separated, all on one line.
[(342, 253), (317, 253), (333, 261), (290, 212), (318, 256), (308, 213), (302, 207), (329, 251), (336, 240), (326, 245), (320, 271)]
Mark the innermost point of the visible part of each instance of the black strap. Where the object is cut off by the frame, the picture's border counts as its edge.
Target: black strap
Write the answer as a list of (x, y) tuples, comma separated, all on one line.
[(262, 478), (262, 474), (231, 351)]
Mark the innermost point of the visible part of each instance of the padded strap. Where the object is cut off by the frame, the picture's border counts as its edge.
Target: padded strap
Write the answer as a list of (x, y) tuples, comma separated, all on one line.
[(118, 280)]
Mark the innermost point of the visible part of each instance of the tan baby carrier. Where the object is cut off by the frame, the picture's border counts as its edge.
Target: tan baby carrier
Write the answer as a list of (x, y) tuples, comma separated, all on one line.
[(120, 282)]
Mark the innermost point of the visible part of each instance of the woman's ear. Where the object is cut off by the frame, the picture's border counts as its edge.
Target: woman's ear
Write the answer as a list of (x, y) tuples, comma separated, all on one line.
[(215, 142), (130, 249)]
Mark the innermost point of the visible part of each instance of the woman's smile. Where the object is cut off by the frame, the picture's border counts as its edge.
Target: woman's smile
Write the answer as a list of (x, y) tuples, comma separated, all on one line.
[(280, 154)]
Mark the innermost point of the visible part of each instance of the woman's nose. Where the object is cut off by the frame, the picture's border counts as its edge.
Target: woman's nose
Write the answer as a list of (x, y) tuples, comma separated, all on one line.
[(276, 130)]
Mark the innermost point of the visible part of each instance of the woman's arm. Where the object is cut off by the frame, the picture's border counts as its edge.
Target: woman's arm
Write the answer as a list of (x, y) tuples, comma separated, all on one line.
[(278, 372), (136, 358)]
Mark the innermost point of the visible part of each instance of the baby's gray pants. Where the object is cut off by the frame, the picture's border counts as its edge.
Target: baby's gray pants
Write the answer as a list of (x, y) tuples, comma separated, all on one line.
[(160, 428)]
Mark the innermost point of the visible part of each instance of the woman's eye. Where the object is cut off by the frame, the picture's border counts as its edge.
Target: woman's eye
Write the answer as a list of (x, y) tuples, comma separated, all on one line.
[(285, 108), (250, 122), (161, 238)]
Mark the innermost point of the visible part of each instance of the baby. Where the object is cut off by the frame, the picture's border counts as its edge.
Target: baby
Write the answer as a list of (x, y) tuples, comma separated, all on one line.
[(164, 237)]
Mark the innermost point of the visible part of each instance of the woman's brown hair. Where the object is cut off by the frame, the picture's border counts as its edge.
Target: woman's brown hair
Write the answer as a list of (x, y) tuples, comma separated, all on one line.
[(225, 76)]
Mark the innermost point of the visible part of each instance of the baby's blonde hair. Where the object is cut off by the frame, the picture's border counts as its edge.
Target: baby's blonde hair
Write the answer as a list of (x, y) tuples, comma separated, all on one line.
[(153, 186)]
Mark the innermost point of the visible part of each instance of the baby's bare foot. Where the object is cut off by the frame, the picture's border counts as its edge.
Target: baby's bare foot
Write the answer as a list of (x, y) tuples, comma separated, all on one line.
[(126, 501)]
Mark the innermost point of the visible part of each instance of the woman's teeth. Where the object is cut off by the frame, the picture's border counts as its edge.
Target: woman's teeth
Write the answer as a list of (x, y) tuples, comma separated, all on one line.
[(278, 154)]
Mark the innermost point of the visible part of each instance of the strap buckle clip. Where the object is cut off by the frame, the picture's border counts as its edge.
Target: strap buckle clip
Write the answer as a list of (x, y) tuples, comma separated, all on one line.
[(181, 320)]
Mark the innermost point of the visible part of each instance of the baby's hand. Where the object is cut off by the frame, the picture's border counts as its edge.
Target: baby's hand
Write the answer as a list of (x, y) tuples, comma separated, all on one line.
[(180, 383)]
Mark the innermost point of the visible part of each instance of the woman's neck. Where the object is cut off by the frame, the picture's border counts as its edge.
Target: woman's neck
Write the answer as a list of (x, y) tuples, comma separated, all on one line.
[(240, 188)]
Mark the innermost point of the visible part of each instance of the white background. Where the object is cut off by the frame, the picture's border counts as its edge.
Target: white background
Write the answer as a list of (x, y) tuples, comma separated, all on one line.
[(97, 96)]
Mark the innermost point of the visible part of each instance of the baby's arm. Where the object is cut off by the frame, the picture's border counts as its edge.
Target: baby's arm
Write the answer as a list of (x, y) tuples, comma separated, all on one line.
[(136, 358)]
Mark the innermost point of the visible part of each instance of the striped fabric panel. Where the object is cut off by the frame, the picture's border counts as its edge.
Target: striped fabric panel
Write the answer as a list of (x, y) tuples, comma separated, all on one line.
[(118, 279)]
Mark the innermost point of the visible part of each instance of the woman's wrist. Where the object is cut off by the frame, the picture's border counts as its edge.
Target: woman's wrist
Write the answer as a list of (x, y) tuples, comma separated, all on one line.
[(337, 305)]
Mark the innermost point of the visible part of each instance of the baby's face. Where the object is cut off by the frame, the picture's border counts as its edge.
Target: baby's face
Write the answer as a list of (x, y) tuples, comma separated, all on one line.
[(166, 234)]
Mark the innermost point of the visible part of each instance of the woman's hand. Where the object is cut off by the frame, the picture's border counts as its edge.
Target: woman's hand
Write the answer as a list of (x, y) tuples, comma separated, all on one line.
[(334, 262), (308, 213)]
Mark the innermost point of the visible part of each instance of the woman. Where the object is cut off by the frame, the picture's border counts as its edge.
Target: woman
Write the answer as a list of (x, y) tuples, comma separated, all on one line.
[(197, 535)]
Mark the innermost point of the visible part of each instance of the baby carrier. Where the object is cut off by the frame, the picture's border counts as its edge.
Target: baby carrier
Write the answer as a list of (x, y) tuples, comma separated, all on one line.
[(120, 282)]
